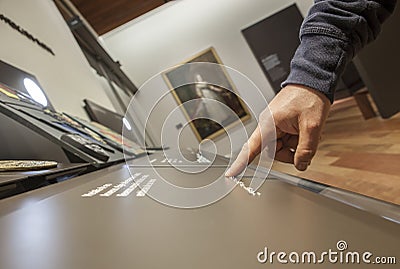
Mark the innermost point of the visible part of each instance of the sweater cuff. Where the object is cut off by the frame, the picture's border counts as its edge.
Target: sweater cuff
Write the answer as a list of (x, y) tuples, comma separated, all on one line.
[(318, 63)]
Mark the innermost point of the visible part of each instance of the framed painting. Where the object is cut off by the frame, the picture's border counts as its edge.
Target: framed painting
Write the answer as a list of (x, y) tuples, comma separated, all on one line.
[(207, 95)]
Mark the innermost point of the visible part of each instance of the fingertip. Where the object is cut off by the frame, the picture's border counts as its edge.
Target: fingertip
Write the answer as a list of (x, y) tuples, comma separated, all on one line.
[(228, 173), (302, 166), (303, 156), (234, 170)]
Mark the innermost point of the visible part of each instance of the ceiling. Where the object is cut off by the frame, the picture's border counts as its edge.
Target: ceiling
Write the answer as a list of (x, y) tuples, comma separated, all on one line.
[(105, 15)]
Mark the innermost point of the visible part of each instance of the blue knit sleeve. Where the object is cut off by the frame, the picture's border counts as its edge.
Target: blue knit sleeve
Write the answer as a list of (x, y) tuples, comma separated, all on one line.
[(331, 35)]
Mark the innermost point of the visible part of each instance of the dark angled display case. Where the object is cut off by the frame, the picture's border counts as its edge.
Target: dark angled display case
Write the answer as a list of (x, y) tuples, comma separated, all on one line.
[(32, 130), (80, 143)]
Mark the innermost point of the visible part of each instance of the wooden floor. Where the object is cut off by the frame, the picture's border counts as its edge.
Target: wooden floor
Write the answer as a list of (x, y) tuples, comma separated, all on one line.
[(359, 155)]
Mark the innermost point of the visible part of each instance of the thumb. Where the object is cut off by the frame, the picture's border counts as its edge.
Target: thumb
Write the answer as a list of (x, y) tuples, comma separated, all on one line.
[(309, 134)]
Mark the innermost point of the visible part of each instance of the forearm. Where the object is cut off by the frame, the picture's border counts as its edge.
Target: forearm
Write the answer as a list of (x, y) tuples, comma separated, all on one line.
[(331, 35)]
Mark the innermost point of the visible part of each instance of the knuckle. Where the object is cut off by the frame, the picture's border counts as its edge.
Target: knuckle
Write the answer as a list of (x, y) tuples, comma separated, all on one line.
[(245, 147), (264, 116), (243, 163), (313, 125), (305, 154)]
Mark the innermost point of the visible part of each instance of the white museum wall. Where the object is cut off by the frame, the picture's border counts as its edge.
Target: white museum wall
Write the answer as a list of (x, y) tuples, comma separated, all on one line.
[(181, 29), (67, 78)]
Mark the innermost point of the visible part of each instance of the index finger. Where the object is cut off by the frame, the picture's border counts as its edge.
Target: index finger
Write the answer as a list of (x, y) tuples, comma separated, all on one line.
[(249, 151)]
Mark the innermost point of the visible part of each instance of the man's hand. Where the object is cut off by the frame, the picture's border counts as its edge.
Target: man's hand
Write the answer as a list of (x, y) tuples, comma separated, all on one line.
[(299, 114)]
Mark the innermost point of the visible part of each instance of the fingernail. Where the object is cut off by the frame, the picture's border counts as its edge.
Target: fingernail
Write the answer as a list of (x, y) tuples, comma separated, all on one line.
[(228, 173), (302, 166)]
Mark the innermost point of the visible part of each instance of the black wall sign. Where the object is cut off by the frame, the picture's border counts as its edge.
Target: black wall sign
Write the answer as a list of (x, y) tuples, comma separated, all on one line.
[(274, 41)]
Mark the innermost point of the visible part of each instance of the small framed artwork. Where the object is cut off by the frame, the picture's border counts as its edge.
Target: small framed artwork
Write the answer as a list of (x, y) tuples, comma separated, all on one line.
[(206, 95)]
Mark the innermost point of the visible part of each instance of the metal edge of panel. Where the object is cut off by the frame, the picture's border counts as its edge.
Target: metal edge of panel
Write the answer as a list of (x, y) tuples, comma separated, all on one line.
[(380, 208)]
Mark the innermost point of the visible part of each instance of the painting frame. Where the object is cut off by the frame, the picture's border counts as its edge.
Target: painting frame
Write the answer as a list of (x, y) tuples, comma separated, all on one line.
[(234, 102)]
